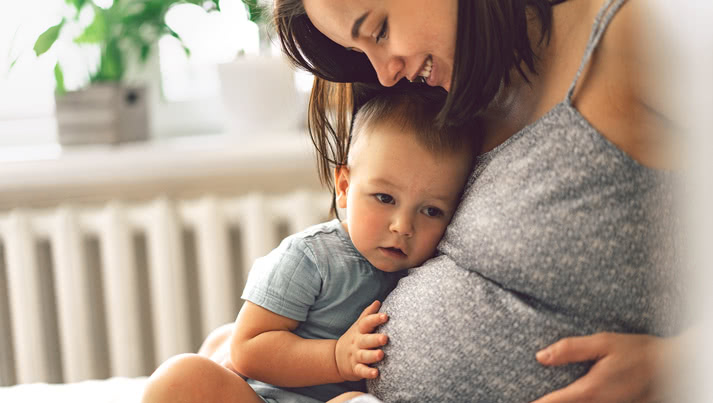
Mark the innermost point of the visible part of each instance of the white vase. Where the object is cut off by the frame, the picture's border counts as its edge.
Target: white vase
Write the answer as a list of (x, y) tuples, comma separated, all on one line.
[(259, 96), (102, 114)]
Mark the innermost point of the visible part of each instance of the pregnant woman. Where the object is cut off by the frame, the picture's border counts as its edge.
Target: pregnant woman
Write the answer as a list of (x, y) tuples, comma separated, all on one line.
[(558, 278)]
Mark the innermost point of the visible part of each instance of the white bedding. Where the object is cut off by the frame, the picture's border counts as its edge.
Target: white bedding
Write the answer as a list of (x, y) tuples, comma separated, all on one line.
[(113, 390)]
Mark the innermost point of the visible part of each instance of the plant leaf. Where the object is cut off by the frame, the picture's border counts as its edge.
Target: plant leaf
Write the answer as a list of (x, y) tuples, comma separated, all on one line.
[(111, 67), (47, 39), (144, 53), (215, 5), (59, 79), (95, 32), (256, 13), (78, 4), (167, 30)]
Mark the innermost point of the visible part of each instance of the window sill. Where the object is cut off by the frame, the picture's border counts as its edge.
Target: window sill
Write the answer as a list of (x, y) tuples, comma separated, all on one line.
[(176, 167)]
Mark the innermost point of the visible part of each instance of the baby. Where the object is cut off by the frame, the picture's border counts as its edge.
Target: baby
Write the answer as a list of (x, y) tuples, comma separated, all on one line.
[(306, 331)]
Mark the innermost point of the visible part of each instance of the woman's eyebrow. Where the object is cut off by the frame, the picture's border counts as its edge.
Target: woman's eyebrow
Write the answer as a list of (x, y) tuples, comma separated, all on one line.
[(357, 25)]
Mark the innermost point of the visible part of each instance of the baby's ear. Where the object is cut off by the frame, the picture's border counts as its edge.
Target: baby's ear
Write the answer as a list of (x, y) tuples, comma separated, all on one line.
[(341, 184)]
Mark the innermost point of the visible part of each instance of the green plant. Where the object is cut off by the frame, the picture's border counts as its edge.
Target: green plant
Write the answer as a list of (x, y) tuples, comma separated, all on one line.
[(126, 29)]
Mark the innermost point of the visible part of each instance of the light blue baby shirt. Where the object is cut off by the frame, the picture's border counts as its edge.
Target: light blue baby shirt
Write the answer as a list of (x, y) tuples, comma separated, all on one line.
[(317, 277)]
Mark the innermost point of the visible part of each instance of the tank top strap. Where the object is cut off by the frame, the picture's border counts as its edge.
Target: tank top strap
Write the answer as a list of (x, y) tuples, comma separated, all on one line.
[(601, 22)]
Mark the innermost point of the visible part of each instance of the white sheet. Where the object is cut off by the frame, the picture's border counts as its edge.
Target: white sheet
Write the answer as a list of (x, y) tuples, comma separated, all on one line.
[(113, 390)]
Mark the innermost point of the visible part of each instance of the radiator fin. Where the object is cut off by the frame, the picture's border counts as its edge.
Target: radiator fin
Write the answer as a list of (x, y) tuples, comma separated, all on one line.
[(90, 292)]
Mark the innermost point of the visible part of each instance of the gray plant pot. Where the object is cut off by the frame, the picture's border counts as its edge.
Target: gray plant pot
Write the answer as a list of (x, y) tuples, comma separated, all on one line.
[(102, 114)]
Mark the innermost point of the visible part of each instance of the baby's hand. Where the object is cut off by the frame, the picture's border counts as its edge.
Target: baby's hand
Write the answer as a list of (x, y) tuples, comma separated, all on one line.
[(359, 345)]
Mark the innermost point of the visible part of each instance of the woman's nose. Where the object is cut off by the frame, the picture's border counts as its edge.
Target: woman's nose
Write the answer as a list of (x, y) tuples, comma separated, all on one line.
[(388, 68)]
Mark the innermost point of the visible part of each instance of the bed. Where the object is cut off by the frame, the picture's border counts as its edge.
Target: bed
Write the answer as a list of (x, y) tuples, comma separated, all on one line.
[(112, 390)]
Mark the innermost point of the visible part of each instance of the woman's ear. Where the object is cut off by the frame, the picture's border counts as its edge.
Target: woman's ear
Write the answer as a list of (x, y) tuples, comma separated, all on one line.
[(341, 185)]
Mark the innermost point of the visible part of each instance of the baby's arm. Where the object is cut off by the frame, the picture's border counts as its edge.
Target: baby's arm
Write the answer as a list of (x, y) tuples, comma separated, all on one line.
[(263, 347)]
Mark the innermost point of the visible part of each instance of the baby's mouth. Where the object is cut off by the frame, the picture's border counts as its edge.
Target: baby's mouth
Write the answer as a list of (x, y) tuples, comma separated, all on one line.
[(394, 251)]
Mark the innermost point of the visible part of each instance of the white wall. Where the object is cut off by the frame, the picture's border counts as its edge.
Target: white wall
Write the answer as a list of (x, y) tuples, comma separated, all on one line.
[(688, 26)]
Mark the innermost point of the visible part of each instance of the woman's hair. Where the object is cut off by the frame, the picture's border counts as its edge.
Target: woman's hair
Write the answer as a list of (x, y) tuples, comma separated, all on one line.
[(492, 40), (411, 108)]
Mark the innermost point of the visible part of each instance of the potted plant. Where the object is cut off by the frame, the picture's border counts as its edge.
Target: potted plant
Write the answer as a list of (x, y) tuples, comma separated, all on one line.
[(107, 110)]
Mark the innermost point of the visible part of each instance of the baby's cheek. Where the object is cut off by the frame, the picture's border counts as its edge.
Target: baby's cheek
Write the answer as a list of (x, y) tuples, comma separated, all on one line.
[(428, 248)]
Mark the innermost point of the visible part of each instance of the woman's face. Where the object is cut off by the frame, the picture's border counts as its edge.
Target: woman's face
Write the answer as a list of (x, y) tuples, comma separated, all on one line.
[(401, 38)]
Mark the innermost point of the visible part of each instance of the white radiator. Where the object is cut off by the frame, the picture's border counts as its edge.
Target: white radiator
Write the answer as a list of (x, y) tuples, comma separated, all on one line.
[(116, 289)]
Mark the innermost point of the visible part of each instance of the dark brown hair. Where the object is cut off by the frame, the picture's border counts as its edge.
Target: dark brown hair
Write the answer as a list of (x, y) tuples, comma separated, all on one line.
[(492, 41)]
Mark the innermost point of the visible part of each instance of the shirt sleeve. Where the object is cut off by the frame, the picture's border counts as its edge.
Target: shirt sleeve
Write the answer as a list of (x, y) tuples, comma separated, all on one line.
[(286, 281)]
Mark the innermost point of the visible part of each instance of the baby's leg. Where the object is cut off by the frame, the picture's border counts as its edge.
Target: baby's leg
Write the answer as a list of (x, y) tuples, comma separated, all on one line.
[(194, 378), (345, 397)]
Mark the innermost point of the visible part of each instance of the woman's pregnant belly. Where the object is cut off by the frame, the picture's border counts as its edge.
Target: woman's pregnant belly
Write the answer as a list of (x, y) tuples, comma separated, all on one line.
[(455, 336)]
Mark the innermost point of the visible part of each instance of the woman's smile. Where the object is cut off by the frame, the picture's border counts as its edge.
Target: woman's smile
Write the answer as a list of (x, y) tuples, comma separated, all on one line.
[(424, 72), (412, 39)]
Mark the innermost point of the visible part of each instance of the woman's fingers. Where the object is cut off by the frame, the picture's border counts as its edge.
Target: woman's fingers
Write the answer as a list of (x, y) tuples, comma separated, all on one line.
[(575, 392), (625, 368), (575, 349)]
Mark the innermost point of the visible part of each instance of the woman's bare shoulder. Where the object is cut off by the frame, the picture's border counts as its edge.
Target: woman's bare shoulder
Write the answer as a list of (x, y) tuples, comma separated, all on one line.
[(623, 92)]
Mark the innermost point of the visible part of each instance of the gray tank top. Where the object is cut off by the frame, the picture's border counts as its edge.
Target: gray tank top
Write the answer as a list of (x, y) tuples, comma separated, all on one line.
[(559, 233)]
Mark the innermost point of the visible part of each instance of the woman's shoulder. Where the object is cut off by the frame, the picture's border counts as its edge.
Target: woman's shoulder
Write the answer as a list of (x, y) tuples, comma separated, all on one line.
[(620, 90)]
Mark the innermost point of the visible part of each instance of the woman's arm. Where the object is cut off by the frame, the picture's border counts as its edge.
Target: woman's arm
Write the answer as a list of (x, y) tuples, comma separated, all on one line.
[(263, 347)]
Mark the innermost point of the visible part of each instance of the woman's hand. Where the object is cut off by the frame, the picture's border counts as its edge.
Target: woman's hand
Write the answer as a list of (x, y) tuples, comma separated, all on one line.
[(625, 370), (358, 346)]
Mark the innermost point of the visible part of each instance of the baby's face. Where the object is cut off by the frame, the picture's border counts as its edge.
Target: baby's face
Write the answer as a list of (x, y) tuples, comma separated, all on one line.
[(399, 197)]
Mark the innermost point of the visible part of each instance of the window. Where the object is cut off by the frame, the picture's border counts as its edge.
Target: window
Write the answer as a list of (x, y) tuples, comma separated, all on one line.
[(186, 91), (26, 90)]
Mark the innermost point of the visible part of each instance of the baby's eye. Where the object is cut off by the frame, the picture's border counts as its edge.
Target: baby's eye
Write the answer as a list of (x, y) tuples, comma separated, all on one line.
[(433, 212), (384, 198)]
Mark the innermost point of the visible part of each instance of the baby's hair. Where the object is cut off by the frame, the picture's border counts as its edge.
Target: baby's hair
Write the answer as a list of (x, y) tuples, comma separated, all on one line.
[(413, 108)]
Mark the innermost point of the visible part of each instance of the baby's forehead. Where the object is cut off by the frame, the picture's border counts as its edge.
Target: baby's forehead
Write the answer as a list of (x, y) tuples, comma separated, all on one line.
[(428, 137), (368, 137), (396, 159)]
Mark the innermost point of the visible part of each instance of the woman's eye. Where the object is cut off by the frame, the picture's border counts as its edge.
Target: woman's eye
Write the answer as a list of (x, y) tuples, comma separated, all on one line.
[(433, 212), (384, 198), (383, 31)]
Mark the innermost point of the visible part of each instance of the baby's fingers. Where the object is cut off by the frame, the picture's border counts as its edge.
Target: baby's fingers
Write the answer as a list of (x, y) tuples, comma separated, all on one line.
[(372, 340), (369, 356), (365, 371), (369, 323), (371, 309)]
